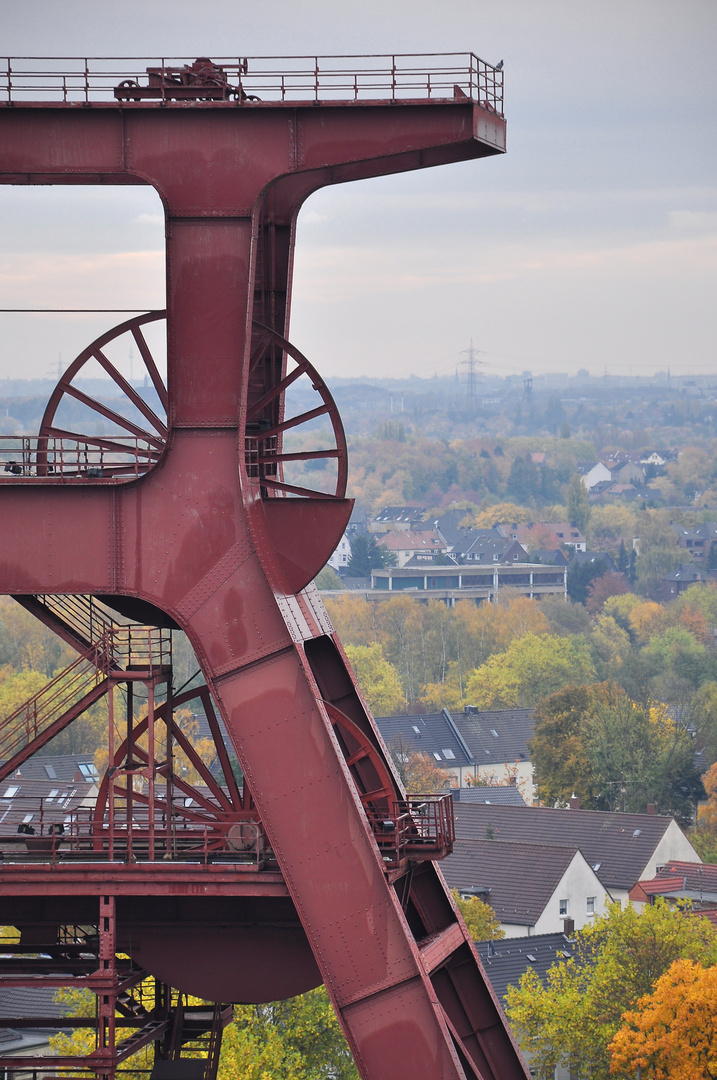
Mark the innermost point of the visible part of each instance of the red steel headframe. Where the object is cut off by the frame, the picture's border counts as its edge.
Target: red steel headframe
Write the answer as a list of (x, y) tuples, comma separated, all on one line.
[(200, 540)]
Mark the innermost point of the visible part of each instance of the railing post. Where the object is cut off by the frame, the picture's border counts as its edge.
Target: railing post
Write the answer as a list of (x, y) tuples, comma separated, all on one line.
[(87, 82), (110, 775), (150, 778)]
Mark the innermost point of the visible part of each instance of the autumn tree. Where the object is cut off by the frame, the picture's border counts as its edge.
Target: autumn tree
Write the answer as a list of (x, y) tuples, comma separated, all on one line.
[(327, 579), (377, 678), (602, 588), (639, 755), (501, 512), (557, 750), (296, 1039), (671, 1034), (703, 718), (419, 773), (612, 752), (532, 667), (704, 835), (480, 918), (352, 618), (579, 508), (659, 552), (565, 618), (571, 1020), (610, 644)]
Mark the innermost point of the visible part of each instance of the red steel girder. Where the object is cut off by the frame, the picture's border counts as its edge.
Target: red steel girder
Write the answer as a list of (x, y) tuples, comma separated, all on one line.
[(195, 538)]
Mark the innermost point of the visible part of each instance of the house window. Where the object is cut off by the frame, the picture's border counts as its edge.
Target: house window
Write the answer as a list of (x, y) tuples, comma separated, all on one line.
[(495, 558), (591, 905), (564, 908)]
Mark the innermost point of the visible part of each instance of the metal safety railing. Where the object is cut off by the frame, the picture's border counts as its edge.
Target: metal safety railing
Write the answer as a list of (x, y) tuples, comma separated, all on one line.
[(119, 645), (64, 827), (253, 79), (418, 828), (95, 458)]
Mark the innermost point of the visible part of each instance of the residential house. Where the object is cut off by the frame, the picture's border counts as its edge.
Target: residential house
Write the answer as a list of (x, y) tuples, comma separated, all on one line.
[(498, 742), (41, 814), (682, 577), (490, 794), (678, 882), (488, 546), (434, 734), (21, 1003), (626, 492), (556, 557), (485, 546), (594, 474), (557, 532), (580, 558), (339, 561), (698, 541), (408, 543), (397, 519), (506, 961), (626, 472), (622, 849), (533, 888), (65, 768)]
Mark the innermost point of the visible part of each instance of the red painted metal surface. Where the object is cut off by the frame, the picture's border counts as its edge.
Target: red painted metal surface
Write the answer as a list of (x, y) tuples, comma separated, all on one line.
[(210, 536)]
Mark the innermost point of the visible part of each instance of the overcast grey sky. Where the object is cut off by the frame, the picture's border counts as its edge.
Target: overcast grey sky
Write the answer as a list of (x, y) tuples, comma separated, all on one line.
[(592, 243)]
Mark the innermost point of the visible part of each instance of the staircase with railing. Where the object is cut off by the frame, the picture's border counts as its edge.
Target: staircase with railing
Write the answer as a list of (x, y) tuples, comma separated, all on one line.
[(108, 650)]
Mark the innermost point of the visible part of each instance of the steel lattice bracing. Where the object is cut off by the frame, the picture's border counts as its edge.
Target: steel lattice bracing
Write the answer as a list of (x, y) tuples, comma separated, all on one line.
[(202, 531)]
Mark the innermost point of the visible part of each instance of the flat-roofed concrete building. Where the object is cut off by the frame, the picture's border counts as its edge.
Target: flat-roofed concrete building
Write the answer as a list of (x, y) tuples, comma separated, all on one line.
[(451, 583)]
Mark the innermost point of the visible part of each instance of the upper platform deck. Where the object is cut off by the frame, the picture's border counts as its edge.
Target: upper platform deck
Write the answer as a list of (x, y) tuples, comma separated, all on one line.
[(254, 81)]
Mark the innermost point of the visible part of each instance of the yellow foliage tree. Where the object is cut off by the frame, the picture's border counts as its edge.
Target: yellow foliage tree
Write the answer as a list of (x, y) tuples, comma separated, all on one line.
[(377, 678), (479, 917), (672, 1032), (532, 667), (505, 511), (352, 618), (647, 619), (418, 771)]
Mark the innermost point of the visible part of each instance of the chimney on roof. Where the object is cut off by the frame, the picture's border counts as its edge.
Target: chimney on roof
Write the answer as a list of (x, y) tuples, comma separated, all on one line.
[(651, 808), (568, 927), (574, 802)]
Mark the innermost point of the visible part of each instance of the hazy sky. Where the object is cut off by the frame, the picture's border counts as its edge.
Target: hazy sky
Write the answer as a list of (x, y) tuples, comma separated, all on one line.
[(592, 243)]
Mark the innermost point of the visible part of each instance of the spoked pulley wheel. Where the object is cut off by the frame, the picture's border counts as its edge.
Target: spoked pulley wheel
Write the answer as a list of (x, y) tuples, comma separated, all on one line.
[(372, 776), (209, 813), (275, 366), (105, 441)]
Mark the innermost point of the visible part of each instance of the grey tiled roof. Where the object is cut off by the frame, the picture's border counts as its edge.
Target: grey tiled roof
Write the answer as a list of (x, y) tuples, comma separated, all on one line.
[(506, 961), (513, 728), (492, 794), (62, 767), (40, 803), (22, 1002), (429, 733), (617, 846), (521, 877)]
